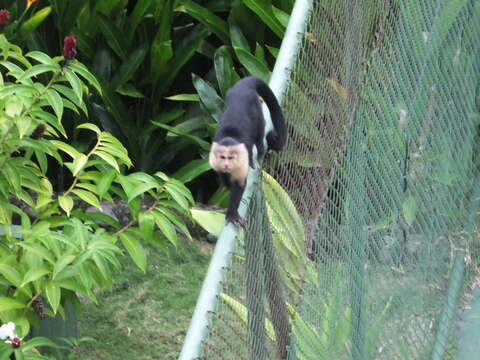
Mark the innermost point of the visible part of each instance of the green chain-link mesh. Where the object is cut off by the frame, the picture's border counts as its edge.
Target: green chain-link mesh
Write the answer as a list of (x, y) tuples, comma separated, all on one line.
[(358, 239)]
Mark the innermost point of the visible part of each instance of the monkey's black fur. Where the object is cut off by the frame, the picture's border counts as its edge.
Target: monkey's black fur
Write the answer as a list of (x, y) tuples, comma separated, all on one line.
[(243, 123)]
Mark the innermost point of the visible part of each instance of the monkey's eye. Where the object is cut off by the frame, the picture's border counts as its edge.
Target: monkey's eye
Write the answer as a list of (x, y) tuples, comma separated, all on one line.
[(222, 157), (230, 158)]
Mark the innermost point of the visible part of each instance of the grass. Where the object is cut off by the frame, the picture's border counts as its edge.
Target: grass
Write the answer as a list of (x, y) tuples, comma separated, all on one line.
[(146, 316)]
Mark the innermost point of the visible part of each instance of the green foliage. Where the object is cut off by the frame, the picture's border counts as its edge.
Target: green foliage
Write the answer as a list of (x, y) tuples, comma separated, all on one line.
[(61, 250), (143, 54)]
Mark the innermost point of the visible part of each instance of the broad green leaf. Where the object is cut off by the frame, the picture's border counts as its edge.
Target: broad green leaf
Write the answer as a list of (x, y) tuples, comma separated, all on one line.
[(282, 17), (65, 148), (208, 18), (238, 39), (192, 170), (62, 263), (7, 304), (18, 354), (109, 159), (24, 125), (113, 35), (34, 274), (36, 342), (129, 66), (66, 203), (75, 83), (38, 250), (70, 95), (263, 9), (42, 58), (98, 217), (161, 48), (81, 70), (224, 69), (49, 119), (140, 190), (127, 184), (39, 69), (129, 90), (68, 14), (55, 101), (35, 20), (211, 221), (283, 216), (17, 72), (182, 54), (105, 182), (11, 274), (53, 293), (209, 97), (183, 97), (161, 52), (115, 152), (146, 225), (87, 196), (175, 220), (103, 267), (254, 66), (138, 13), (180, 194), (202, 143), (242, 312), (13, 106), (42, 160), (79, 163), (273, 51), (260, 53), (90, 126), (410, 207), (135, 249), (165, 227)]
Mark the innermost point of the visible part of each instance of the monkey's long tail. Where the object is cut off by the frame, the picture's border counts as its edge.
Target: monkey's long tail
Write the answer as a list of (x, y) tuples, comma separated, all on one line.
[(276, 138)]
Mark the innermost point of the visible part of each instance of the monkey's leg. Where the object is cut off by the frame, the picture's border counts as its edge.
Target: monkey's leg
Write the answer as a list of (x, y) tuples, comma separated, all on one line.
[(236, 192)]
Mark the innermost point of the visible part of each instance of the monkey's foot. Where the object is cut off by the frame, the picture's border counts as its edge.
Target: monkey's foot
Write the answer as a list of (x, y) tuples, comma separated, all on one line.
[(237, 221)]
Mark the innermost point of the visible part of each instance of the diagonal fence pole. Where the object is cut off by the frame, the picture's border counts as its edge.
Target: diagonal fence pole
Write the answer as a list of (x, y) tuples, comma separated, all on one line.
[(221, 258)]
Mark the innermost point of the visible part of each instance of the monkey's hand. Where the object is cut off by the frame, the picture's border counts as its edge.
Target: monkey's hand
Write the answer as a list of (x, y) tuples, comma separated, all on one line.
[(236, 220)]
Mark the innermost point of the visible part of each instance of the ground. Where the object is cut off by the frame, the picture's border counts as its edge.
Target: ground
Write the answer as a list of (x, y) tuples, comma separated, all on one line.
[(145, 316)]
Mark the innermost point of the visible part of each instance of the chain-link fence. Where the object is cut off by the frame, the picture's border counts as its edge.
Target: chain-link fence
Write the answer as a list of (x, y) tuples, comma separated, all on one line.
[(360, 240)]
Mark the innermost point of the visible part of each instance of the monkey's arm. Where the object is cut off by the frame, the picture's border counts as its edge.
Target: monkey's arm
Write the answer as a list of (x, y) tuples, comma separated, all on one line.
[(236, 192)]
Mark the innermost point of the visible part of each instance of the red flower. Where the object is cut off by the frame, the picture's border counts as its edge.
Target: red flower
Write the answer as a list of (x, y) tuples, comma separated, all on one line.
[(4, 17), (16, 341), (69, 47)]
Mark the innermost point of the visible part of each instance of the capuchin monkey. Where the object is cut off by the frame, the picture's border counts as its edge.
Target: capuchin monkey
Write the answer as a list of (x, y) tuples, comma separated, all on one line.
[(242, 126)]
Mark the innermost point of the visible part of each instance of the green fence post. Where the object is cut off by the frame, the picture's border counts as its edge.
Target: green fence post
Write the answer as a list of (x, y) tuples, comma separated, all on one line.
[(356, 209)]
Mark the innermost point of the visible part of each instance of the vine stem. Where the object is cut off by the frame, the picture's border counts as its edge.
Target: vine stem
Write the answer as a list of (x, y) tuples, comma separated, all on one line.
[(133, 222)]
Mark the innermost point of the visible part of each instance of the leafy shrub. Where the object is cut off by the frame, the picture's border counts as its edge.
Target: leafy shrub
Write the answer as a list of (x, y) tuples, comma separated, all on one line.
[(52, 249)]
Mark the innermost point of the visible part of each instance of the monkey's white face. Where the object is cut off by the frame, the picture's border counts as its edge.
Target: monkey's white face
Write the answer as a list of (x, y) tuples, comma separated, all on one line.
[(230, 159)]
